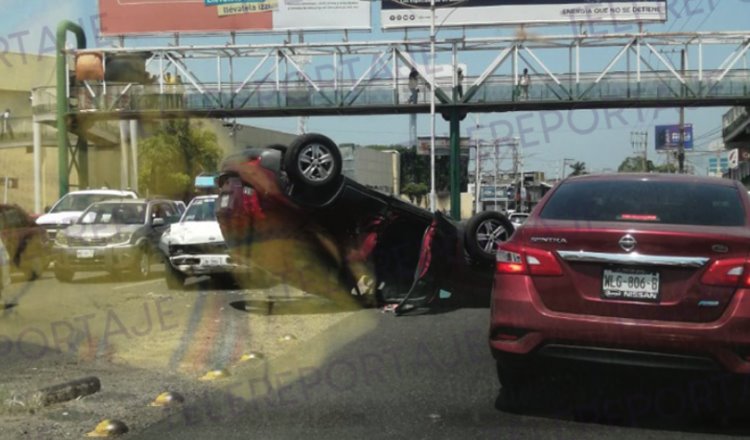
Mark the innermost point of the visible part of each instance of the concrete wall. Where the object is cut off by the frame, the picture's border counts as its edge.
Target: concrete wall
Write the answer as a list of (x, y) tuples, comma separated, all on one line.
[(375, 169)]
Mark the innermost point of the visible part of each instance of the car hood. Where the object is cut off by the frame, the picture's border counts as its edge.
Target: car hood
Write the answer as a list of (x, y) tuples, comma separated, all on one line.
[(99, 231), (58, 218), (194, 233)]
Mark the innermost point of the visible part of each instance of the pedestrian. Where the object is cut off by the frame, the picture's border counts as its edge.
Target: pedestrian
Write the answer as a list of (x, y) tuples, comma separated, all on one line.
[(460, 83), (6, 124), (525, 83), (413, 86), (168, 88), (179, 91)]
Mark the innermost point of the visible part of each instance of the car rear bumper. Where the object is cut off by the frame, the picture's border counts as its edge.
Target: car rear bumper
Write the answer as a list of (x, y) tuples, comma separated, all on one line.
[(203, 264), (110, 258), (520, 324)]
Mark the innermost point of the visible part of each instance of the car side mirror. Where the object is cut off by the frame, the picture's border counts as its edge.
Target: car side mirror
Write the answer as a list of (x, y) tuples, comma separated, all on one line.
[(158, 221), (47, 209)]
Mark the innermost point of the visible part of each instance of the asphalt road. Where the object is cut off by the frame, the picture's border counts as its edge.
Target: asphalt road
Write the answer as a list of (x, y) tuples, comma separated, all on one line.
[(373, 375)]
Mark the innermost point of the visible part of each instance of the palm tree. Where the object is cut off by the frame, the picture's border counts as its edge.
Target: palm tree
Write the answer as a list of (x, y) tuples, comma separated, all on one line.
[(578, 168)]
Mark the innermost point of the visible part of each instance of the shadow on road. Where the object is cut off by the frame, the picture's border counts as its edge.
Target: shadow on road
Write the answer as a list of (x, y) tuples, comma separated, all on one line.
[(289, 306), (706, 403)]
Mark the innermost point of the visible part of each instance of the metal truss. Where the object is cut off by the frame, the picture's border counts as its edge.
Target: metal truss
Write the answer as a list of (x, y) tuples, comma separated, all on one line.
[(637, 69)]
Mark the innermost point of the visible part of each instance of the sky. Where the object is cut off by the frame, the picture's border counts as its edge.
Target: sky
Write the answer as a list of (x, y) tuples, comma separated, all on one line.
[(601, 139)]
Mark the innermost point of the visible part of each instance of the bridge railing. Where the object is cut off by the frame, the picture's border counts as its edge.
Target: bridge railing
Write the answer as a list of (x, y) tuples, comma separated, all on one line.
[(300, 94)]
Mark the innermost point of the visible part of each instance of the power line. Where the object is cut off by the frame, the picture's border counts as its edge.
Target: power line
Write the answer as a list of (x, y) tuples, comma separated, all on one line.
[(707, 17)]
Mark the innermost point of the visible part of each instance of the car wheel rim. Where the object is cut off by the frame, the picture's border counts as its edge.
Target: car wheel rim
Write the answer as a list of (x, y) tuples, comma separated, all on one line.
[(490, 234), (315, 162)]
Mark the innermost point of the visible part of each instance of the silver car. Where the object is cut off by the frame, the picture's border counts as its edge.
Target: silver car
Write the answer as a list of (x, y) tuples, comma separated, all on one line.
[(114, 236)]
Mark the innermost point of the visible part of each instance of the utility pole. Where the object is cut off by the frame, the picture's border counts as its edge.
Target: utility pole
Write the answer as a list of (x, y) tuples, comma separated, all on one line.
[(433, 193), (639, 143), (497, 169), (562, 168), (517, 182), (681, 147), (478, 170)]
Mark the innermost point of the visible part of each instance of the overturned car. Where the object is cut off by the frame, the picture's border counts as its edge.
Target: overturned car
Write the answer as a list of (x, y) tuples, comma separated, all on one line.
[(291, 211)]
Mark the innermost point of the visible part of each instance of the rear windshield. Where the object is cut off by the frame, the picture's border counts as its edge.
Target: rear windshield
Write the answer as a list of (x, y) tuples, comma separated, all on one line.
[(646, 202)]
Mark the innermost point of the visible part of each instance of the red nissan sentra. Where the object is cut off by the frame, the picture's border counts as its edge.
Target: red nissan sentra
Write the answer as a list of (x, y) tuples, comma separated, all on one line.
[(633, 269)]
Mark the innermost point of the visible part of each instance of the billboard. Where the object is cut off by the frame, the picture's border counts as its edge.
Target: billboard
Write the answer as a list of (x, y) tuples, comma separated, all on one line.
[(442, 145), (668, 137), (147, 17), (416, 13)]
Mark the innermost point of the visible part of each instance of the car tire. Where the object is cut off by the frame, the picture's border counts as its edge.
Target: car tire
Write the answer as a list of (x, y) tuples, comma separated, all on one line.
[(174, 278), (313, 160), (142, 269), (483, 232), (64, 275), (514, 380)]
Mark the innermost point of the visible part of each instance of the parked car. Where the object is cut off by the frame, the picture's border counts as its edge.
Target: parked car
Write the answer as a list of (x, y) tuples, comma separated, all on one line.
[(291, 212), (637, 269), (116, 236), (70, 206), (194, 246), (26, 242)]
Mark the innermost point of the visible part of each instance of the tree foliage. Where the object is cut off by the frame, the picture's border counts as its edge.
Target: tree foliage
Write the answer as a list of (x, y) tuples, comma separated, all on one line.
[(415, 192), (635, 164), (169, 160), (579, 168)]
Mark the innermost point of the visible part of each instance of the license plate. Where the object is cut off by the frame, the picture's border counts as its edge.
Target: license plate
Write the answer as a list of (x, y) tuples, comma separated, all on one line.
[(214, 261), (85, 253), (224, 201), (630, 285)]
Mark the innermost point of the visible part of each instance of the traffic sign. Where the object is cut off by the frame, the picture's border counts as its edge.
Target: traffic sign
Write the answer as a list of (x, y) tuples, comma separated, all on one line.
[(734, 158)]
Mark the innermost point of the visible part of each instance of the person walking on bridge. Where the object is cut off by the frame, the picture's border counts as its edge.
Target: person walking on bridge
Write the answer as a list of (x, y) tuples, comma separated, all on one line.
[(413, 86), (525, 83)]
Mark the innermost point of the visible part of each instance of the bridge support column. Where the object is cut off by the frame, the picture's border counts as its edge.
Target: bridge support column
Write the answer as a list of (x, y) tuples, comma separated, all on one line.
[(37, 142), (82, 150), (62, 99), (455, 163), (124, 174)]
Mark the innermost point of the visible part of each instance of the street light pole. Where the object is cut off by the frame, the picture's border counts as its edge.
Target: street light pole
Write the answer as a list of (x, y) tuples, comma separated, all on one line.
[(433, 195), (478, 171)]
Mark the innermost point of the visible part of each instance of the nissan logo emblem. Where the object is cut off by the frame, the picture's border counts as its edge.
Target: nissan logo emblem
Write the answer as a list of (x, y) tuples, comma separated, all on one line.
[(627, 243)]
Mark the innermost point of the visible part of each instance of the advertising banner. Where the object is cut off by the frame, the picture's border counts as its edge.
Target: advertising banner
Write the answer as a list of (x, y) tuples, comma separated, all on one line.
[(668, 137), (149, 17), (442, 146), (416, 13)]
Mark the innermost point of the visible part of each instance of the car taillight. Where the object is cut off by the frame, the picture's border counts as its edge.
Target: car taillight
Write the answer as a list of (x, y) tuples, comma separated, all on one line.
[(731, 272), (513, 259)]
